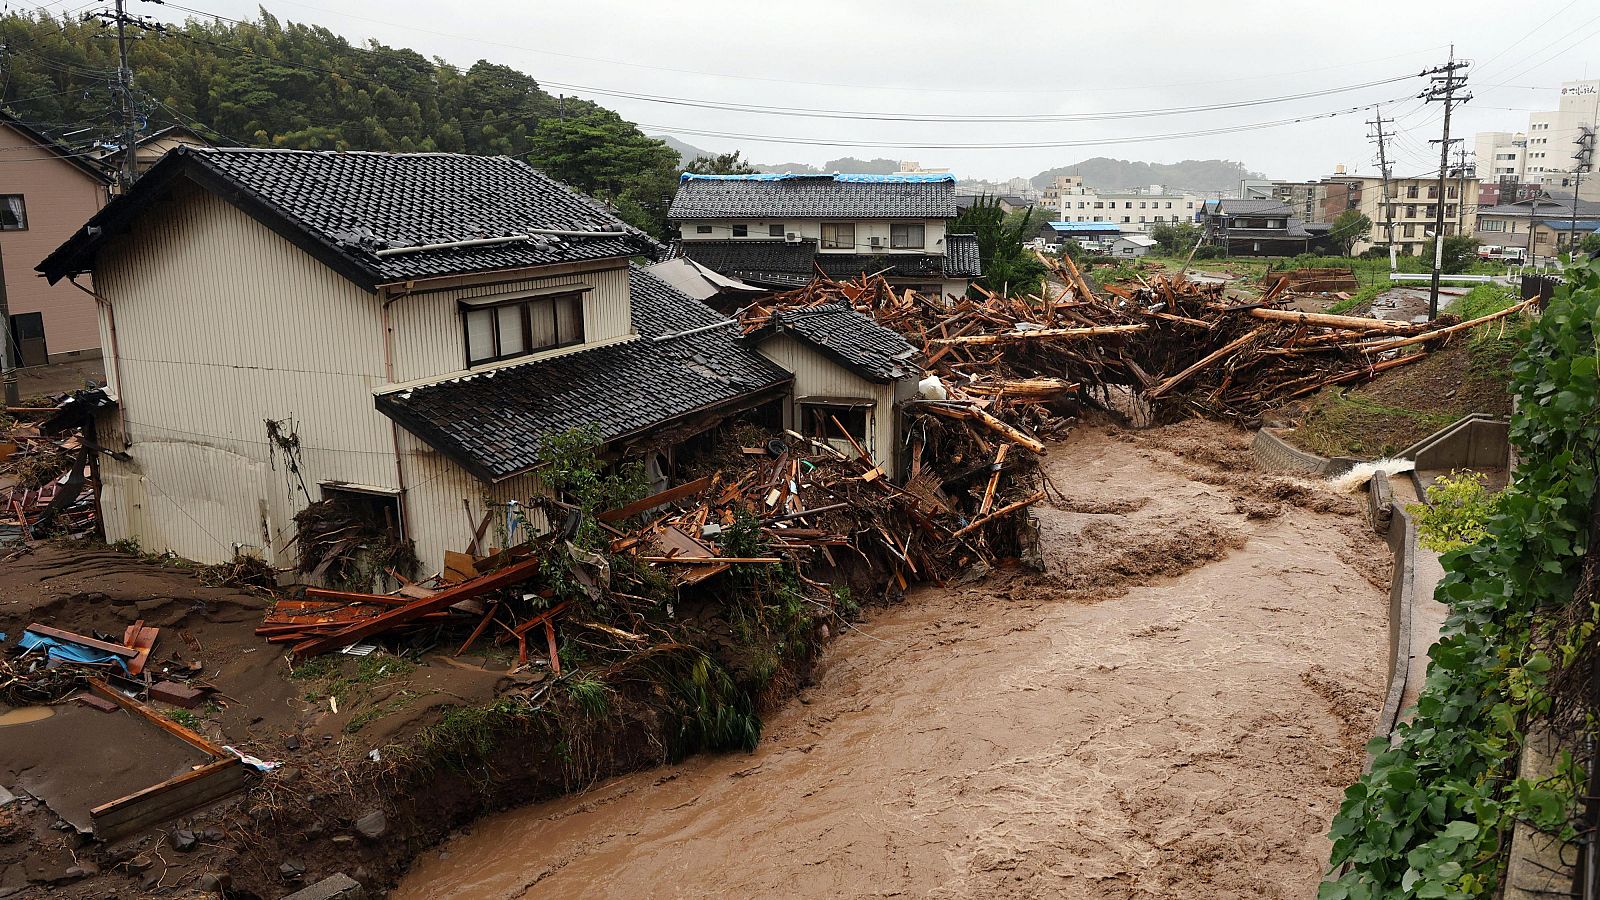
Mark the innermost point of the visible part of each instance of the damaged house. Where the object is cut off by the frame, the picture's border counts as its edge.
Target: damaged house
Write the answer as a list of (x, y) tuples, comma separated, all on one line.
[(780, 231), (405, 331)]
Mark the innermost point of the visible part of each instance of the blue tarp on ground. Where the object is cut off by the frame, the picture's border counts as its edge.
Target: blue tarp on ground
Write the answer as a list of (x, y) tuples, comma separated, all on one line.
[(69, 652)]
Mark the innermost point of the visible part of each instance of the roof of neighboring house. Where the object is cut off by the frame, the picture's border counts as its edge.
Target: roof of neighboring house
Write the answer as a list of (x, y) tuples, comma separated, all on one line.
[(814, 197), (494, 422), (43, 142), (1569, 225), (961, 259), (794, 263), (1551, 205), (1252, 208), (344, 208), (698, 281), (1292, 233), (848, 337), (1138, 240)]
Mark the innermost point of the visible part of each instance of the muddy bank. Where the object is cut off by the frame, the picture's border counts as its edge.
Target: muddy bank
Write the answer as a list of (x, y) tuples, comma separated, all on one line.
[(1171, 710)]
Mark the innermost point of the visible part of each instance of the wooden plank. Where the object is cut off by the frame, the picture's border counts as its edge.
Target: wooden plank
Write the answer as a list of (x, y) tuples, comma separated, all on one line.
[(1463, 326), (169, 799), (483, 623), (459, 567), (710, 560), (103, 646), (687, 489), (356, 597), (1329, 321), (1004, 510), (517, 571), (1041, 334), (1210, 358), (189, 737)]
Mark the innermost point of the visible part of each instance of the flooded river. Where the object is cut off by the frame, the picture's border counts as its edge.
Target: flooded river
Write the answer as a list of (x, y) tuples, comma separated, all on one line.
[(1171, 711)]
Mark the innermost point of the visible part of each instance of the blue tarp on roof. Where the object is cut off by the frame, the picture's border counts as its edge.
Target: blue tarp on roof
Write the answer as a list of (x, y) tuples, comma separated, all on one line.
[(843, 178), (1567, 225), (1084, 226)]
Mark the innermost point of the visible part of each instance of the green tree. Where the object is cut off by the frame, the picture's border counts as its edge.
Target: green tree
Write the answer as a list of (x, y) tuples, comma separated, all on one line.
[(1590, 244), (721, 164), (1460, 252), (1175, 240), (1008, 266), (1351, 225)]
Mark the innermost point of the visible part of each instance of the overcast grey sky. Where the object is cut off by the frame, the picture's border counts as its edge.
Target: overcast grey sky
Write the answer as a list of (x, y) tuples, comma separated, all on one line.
[(947, 58)]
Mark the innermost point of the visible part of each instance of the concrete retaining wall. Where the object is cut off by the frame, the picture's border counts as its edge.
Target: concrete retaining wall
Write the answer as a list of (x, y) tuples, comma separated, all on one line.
[(1402, 595), (1475, 442), (1274, 454)]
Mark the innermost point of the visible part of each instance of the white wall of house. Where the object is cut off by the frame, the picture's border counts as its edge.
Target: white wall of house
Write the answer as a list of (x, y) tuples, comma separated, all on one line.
[(815, 375), (221, 324), (1130, 211), (811, 229)]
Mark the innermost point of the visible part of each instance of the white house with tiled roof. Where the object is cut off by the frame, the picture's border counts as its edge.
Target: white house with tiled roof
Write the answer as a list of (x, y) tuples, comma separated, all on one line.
[(781, 230)]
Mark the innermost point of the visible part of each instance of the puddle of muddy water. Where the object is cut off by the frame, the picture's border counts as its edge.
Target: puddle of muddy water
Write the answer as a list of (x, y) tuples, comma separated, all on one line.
[(24, 715)]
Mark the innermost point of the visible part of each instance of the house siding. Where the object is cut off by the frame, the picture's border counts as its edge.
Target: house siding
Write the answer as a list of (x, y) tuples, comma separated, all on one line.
[(221, 324), (59, 198), (816, 375), (428, 340)]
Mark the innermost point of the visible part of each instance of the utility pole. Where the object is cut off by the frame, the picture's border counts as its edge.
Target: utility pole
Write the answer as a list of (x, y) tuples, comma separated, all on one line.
[(1445, 85), (1377, 122), (125, 88), (1461, 188)]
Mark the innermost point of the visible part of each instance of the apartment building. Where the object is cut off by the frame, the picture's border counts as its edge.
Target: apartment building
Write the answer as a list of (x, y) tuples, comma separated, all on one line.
[(1136, 210), (1541, 156), (1414, 203)]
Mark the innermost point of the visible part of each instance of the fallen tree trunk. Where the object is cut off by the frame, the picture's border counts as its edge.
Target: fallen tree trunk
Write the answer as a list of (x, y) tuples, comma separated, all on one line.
[(1039, 334), (1329, 321), (1463, 326)]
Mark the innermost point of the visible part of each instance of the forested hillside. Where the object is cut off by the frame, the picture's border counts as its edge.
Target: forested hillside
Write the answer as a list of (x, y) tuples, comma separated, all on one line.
[(273, 84), (1203, 175)]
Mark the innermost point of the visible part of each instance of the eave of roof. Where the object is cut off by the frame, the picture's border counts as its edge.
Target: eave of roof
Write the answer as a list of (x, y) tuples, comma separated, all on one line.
[(65, 153)]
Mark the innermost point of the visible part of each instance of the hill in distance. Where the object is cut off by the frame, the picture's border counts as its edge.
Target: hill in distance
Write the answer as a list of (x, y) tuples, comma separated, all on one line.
[(1198, 175), (688, 152)]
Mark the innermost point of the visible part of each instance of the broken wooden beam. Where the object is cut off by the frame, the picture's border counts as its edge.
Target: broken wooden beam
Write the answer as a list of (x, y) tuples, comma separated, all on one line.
[(83, 640), (1329, 321), (509, 575), (1441, 332), (1002, 511), (1207, 360), (1040, 334), (687, 489)]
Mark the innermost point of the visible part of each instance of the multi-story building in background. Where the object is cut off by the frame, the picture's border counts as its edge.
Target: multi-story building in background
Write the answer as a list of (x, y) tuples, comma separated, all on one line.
[(1136, 210), (1520, 163)]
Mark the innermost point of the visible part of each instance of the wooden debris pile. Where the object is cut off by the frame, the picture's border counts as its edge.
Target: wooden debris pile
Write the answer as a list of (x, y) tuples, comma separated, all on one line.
[(1181, 346), (801, 502), (1311, 281), (46, 480)]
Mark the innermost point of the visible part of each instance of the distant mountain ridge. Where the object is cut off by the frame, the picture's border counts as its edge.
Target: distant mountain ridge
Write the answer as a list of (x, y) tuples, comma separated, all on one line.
[(1197, 175)]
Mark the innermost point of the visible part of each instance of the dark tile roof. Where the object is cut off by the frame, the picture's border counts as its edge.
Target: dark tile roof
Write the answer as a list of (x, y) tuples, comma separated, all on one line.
[(961, 256), (814, 197), (764, 262), (1253, 208), (785, 263), (848, 337), (343, 207), (494, 422)]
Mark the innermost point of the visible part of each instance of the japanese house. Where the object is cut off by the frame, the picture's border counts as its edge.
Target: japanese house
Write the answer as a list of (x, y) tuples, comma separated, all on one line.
[(1255, 228), (779, 231), (46, 191), (408, 329)]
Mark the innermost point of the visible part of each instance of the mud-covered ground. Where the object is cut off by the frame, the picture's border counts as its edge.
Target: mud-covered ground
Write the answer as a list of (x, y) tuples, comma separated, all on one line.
[(1171, 710)]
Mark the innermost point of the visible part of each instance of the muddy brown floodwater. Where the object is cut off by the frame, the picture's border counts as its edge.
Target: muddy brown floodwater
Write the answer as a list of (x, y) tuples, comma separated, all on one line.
[(1171, 711)]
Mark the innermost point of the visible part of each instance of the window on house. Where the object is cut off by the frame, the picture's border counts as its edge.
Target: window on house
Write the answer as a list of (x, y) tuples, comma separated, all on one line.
[(1431, 210), (775, 229), (520, 327), (702, 229), (1408, 230), (1126, 219), (1127, 204), (741, 231), (1169, 204), (1492, 225), (1433, 192), (819, 421), (1411, 192), (1450, 192), (1411, 211), (13, 213), (906, 235), (1450, 210), (378, 510), (1098, 204), (838, 236)]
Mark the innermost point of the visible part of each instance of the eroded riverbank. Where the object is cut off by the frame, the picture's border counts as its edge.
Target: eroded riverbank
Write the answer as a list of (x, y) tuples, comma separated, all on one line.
[(1172, 710)]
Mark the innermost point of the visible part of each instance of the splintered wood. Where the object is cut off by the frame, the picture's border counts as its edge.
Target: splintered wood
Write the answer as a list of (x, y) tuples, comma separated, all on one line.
[(1182, 346)]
